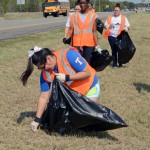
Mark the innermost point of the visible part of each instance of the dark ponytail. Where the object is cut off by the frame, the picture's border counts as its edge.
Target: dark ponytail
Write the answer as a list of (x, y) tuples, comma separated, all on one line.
[(37, 58), (25, 75)]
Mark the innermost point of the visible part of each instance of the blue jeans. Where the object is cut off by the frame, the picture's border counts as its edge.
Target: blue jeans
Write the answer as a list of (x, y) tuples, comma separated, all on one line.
[(86, 53), (114, 50)]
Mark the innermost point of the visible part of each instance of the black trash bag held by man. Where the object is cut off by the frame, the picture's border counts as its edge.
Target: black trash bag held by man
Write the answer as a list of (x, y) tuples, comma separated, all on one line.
[(126, 48), (100, 60), (68, 41), (68, 109), (100, 26)]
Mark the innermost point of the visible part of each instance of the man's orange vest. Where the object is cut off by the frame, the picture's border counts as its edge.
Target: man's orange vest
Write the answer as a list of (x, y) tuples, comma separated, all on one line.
[(109, 18), (82, 86), (83, 32)]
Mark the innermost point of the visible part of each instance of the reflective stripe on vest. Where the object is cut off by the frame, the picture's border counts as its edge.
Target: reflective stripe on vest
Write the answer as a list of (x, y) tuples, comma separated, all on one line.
[(122, 25), (48, 76), (89, 30), (69, 70)]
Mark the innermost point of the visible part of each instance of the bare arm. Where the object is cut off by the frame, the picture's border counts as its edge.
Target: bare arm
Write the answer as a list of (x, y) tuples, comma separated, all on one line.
[(42, 102), (95, 32), (81, 75), (67, 28), (66, 32)]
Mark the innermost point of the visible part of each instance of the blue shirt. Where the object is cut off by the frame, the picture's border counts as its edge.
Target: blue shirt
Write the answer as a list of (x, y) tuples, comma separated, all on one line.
[(78, 64)]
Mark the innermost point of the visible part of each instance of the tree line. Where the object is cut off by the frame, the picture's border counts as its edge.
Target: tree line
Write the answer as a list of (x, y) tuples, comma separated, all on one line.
[(29, 6), (36, 5)]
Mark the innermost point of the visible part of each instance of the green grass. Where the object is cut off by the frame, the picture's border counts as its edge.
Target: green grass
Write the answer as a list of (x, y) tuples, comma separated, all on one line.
[(27, 15), (126, 91)]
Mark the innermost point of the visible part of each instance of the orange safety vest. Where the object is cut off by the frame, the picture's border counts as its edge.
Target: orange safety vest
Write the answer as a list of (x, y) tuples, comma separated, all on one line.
[(81, 86), (71, 29), (83, 32), (122, 24)]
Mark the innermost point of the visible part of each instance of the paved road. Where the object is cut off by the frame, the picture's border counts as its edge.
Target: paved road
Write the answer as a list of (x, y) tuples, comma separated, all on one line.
[(15, 28)]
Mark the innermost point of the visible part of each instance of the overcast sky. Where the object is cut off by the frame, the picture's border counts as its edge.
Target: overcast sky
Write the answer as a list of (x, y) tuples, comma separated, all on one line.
[(134, 1)]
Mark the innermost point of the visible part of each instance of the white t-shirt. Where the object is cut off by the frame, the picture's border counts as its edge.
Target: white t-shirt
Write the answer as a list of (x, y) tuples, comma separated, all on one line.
[(115, 24)]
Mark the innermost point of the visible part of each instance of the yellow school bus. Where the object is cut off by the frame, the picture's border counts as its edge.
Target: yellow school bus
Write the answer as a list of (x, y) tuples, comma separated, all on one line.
[(56, 8)]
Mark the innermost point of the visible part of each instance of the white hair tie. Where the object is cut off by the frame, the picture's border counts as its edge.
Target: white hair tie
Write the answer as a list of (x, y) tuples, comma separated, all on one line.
[(36, 49)]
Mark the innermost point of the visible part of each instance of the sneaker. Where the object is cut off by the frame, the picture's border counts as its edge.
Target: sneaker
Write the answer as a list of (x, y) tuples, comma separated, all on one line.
[(114, 66)]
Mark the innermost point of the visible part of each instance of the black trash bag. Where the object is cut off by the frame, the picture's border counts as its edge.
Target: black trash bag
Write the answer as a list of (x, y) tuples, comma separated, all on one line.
[(68, 109), (99, 61), (100, 26), (68, 41), (126, 48)]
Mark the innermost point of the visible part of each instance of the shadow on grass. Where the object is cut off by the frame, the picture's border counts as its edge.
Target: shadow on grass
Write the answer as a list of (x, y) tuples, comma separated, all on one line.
[(146, 38), (77, 133), (99, 135), (142, 86), (23, 115)]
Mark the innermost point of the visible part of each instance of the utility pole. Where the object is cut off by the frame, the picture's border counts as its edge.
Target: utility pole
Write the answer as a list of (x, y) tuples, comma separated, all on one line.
[(94, 3), (20, 5), (99, 6)]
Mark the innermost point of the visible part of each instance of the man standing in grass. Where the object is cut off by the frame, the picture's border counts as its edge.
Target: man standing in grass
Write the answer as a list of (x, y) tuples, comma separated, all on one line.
[(114, 25), (84, 30)]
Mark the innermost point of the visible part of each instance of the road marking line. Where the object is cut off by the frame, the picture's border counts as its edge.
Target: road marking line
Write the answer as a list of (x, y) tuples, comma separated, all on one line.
[(16, 27)]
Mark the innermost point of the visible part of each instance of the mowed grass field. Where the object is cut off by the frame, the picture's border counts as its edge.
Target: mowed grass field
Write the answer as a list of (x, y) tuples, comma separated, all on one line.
[(20, 15), (124, 90)]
